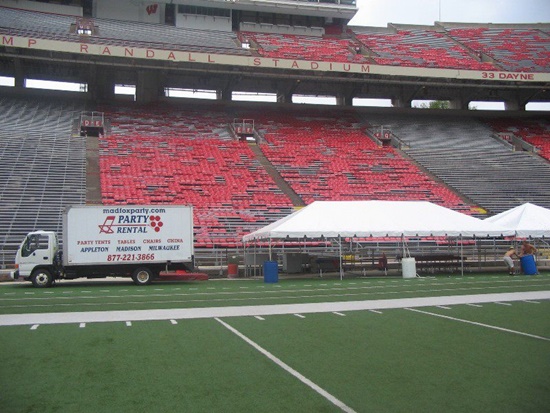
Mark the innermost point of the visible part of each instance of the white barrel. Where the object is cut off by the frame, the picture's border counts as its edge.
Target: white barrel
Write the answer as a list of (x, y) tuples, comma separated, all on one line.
[(408, 265)]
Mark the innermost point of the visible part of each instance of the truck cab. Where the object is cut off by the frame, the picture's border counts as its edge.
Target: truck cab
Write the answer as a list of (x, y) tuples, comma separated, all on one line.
[(36, 258)]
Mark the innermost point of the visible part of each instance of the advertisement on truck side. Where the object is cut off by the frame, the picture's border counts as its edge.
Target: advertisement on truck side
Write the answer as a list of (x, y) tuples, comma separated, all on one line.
[(127, 234)]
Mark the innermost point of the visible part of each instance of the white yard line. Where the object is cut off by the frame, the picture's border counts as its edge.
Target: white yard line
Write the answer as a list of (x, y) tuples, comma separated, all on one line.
[(262, 310), (479, 324), (287, 368)]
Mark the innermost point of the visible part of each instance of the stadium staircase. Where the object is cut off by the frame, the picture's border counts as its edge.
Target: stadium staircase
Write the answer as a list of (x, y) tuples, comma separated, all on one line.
[(276, 176)]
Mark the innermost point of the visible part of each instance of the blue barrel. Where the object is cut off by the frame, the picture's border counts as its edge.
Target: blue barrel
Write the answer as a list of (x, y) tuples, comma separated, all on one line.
[(528, 265), (271, 272)]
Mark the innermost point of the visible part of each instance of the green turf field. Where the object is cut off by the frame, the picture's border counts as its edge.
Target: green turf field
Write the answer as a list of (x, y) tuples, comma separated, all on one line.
[(123, 295), (490, 357)]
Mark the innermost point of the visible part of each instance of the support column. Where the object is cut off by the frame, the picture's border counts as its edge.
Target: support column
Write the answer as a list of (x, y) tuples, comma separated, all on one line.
[(101, 84), (514, 105), (401, 102), (225, 95), (284, 97), (459, 104), (19, 76), (148, 85), (344, 99)]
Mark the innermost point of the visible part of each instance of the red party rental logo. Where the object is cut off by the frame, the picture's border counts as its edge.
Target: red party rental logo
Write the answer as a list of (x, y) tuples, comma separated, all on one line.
[(155, 222), (130, 224), (107, 226)]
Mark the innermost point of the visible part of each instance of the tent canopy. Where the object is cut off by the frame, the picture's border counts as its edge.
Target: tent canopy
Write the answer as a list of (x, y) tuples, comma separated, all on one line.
[(527, 220), (332, 219)]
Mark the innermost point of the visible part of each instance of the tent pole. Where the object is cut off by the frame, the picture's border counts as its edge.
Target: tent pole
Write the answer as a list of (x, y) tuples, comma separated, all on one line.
[(461, 256), (269, 245), (341, 265), (244, 260)]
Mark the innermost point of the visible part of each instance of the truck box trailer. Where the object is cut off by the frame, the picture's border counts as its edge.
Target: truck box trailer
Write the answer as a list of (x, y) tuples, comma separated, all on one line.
[(143, 242)]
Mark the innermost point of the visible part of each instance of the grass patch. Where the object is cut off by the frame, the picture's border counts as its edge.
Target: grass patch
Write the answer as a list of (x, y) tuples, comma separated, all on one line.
[(391, 362), (195, 366), (19, 299), (401, 361)]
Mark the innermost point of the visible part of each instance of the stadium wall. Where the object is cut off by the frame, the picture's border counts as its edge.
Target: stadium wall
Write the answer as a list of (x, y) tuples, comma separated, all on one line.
[(199, 22), (148, 12)]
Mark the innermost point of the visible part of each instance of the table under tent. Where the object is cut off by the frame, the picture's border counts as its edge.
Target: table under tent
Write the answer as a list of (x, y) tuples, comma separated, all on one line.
[(339, 229)]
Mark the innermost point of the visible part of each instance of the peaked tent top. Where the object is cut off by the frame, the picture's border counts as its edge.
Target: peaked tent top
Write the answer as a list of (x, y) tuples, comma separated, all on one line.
[(363, 219), (527, 220)]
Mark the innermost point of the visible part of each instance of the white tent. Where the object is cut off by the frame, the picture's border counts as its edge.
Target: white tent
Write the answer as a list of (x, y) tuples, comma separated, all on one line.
[(527, 220), (333, 219)]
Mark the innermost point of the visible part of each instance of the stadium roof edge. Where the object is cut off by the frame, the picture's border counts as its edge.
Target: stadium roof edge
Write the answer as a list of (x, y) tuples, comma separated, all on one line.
[(456, 25), (300, 7), (438, 26)]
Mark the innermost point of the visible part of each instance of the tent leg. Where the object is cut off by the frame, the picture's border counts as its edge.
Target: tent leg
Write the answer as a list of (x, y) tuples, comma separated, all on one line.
[(461, 257), (341, 263)]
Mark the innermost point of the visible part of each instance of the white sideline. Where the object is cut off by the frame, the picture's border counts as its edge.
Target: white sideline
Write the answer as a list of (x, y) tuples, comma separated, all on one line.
[(261, 310)]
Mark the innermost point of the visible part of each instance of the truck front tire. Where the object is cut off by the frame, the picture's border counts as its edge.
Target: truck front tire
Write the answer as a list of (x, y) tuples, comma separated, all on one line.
[(142, 276), (42, 278)]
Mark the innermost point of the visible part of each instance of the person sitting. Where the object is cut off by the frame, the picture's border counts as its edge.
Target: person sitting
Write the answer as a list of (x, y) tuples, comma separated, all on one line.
[(383, 263)]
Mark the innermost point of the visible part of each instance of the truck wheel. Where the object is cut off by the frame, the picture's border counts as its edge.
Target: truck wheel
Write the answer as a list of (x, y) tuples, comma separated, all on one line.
[(42, 278), (142, 276)]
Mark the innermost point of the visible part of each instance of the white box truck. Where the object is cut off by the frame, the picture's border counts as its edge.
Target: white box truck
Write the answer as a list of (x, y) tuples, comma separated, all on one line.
[(139, 241)]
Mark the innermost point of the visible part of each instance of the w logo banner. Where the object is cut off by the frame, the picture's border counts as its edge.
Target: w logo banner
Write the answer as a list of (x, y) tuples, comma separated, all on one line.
[(152, 9)]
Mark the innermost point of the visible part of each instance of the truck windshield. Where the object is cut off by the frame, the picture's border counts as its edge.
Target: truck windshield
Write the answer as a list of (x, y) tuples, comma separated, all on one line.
[(34, 242)]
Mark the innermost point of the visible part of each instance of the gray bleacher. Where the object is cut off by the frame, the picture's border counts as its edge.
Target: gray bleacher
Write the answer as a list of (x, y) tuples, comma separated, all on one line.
[(122, 33), (43, 168), (461, 152)]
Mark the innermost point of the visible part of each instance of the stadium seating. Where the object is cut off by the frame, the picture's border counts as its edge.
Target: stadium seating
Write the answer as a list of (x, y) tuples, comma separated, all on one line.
[(165, 154), (512, 49), (516, 50), (462, 152), (420, 48), (116, 32), (288, 46), (535, 132), (325, 157), (156, 156), (43, 168)]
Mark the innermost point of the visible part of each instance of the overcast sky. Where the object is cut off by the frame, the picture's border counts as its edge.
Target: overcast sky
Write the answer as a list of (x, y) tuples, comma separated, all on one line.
[(382, 12)]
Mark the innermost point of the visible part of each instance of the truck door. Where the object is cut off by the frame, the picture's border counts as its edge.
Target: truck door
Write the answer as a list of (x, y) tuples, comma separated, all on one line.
[(34, 251)]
